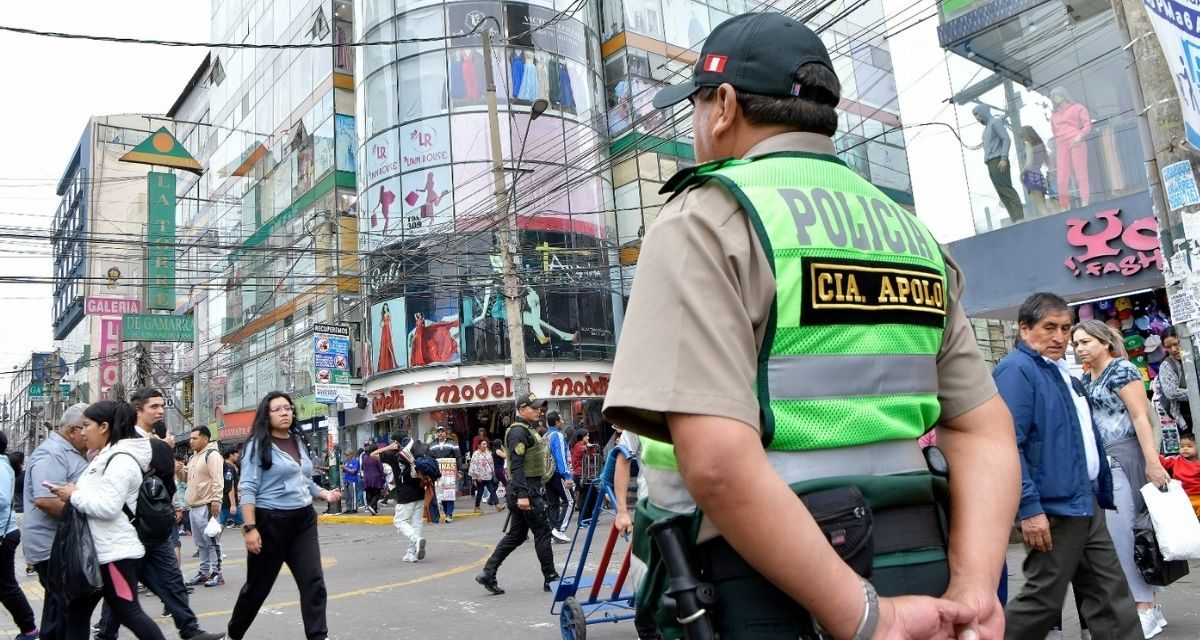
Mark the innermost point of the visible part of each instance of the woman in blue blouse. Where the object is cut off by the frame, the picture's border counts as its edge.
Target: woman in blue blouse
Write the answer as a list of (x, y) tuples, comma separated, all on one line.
[(280, 525)]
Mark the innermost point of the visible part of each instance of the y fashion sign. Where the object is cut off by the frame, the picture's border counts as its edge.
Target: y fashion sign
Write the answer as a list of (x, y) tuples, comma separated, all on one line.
[(1102, 244), (1177, 24)]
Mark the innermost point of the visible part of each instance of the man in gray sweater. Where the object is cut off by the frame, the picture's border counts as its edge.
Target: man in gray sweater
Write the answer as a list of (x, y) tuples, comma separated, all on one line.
[(995, 153)]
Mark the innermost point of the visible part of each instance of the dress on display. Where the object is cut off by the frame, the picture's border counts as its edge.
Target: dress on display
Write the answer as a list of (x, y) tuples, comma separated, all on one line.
[(387, 353), (518, 74), (530, 81), (564, 87), (1069, 121), (433, 344)]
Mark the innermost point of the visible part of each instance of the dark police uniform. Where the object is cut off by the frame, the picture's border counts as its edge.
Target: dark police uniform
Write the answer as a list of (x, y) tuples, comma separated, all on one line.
[(526, 465)]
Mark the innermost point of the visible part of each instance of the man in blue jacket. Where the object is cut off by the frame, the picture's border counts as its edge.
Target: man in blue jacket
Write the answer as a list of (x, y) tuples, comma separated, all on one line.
[(559, 490), (1065, 484)]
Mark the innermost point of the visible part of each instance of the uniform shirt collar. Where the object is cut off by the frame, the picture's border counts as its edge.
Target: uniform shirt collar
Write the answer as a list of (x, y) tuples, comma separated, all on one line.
[(794, 141)]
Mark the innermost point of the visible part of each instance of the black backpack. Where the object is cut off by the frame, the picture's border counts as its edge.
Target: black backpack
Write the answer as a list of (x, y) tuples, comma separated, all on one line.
[(155, 507)]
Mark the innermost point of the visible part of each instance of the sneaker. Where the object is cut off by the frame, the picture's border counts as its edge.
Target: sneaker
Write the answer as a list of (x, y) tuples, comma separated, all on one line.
[(421, 549), (559, 536), (196, 553), (488, 580), (1162, 622), (1150, 625), (449, 519), (216, 581), (371, 511), (205, 635), (478, 510), (408, 557), (554, 577), (29, 570), (29, 635), (165, 613), (197, 579)]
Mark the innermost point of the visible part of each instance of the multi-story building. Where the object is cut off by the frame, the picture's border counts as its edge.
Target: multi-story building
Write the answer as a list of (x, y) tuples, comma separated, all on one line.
[(99, 254), (24, 414), (584, 176), (1078, 220), (269, 238)]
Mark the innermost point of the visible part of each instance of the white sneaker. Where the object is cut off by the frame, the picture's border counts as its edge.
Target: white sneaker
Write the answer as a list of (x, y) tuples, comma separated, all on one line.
[(1150, 625), (1162, 621), (559, 535), (409, 557)]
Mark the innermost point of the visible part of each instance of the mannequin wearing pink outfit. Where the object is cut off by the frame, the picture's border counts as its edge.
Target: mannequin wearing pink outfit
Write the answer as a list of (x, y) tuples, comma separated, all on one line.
[(1071, 123)]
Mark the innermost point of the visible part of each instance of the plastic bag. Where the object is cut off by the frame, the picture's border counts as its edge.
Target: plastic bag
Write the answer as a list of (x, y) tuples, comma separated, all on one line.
[(213, 529), (1148, 557), (74, 570), (1175, 523)]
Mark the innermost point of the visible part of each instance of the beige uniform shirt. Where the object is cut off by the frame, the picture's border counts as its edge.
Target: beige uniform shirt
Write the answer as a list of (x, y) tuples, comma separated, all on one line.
[(698, 312)]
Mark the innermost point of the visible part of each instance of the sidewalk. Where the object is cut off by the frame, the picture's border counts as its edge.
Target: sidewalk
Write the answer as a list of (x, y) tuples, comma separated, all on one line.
[(464, 507)]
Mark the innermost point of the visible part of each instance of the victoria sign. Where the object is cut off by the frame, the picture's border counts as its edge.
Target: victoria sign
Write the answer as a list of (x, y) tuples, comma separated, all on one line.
[(1104, 245)]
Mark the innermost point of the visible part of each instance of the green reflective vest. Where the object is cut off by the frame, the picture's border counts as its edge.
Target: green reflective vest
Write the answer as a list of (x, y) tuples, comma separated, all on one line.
[(850, 353), (535, 455)]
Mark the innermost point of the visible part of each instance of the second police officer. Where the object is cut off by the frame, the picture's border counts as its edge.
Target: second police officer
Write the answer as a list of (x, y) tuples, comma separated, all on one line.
[(526, 497)]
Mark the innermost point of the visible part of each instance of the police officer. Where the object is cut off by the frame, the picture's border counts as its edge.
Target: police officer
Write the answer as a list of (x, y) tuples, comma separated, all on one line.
[(791, 327), (526, 496)]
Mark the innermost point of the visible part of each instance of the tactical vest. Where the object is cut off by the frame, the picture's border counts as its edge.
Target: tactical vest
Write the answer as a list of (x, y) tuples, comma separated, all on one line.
[(535, 455), (849, 355)]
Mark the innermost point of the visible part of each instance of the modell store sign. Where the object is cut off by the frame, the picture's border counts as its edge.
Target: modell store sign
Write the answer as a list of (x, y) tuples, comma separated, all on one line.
[(158, 328), (331, 361)]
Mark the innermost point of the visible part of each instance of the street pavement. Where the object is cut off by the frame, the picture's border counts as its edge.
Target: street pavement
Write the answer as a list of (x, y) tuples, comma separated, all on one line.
[(372, 594)]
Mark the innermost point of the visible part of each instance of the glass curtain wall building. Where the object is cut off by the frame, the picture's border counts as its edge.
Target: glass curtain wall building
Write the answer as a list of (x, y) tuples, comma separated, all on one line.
[(280, 180), (583, 178)]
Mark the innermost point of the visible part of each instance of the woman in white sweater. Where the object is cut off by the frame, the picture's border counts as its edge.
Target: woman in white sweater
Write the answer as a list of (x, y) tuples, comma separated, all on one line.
[(107, 487)]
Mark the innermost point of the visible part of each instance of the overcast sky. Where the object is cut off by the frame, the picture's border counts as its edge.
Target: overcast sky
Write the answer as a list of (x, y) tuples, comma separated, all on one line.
[(51, 88)]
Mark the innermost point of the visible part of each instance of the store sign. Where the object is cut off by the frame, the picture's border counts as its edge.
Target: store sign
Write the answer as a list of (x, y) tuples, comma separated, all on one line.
[(110, 349), (95, 306), (158, 328), (331, 361), (425, 143), (1176, 24), (160, 238), (1108, 245), (481, 390), (579, 386), (382, 157), (389, 400)]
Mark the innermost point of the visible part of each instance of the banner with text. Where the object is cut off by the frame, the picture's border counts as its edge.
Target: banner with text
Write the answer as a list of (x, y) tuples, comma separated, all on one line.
[(331, 360), (1177, 24), (160, 238), (110, 354)]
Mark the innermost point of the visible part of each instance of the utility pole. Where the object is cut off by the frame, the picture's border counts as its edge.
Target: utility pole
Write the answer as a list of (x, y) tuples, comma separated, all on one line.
[(511, 285), (1161, 129)]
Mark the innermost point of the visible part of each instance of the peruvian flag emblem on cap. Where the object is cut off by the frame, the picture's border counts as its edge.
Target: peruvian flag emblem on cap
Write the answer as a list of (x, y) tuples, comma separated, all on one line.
[(714, 63)]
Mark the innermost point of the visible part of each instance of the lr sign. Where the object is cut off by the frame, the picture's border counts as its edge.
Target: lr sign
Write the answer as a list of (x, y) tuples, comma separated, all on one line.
[(1105, 245)]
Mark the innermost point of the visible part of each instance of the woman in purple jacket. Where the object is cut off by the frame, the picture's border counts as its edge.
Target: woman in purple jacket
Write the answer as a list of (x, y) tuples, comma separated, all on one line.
[(374, 479)]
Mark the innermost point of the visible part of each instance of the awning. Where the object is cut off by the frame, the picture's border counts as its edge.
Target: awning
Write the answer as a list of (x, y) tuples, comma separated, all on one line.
[(236, 426)]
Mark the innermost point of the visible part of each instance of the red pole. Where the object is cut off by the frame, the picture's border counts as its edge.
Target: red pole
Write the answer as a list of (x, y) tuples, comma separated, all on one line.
[(621, 575), (603, 569)]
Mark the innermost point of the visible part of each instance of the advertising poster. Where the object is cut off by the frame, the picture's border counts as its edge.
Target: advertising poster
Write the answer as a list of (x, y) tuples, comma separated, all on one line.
[(424, 144), (388, 346), (434, 332), (1174, 22), (331, 361), (447, 485), (344, 137), (427, 201), (381, 217), (382, 156)]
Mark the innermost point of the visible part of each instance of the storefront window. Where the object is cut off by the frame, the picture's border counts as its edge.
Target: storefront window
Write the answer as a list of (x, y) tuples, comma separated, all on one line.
[(382, 110), (429, 22), (423, 86), (377, 55), (1067, 120)]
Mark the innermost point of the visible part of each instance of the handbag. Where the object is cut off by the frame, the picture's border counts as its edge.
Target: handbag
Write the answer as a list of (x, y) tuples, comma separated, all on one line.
[(1175, 525), (74, 570), (1148, 557)]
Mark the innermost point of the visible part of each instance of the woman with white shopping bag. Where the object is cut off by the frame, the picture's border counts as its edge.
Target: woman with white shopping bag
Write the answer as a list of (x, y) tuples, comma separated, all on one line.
[(1120, 410)]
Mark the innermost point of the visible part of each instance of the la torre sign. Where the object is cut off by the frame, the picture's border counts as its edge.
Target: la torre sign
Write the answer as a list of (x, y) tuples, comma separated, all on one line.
[(482, 390)]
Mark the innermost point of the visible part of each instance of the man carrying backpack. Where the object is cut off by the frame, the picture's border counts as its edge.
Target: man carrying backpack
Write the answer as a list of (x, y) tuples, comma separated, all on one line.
[(206, 484), (158, 569), (410, 494)]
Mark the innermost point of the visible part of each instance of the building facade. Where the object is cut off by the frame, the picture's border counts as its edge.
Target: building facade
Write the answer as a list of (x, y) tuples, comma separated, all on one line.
[(583, 179)]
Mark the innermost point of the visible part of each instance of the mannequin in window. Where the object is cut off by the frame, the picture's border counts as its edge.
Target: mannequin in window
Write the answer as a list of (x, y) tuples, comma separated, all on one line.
[(1032, 177), (996, 145), (387, 352), (1071, 124)]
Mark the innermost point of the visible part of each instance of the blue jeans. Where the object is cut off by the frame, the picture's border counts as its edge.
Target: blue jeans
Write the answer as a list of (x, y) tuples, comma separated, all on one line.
[(447, 510), (226, 515)]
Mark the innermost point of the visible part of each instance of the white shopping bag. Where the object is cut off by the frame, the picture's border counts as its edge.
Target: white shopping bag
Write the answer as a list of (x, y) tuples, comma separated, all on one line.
[(213, 528), (1175, 523)]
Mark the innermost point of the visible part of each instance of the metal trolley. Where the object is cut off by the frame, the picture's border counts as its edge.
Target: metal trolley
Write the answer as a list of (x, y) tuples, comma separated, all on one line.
[(578, 599)]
